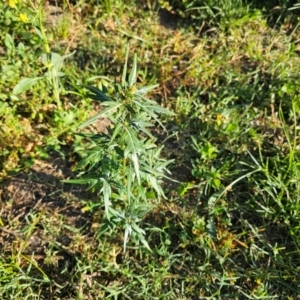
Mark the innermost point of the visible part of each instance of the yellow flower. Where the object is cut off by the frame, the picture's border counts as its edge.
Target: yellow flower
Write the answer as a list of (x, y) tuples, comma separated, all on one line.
[(23, 18), (219, 119), (12, 3)]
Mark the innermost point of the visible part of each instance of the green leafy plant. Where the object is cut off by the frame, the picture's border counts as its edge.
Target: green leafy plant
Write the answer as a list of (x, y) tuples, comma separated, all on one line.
[(31, 86), (209, 12), (123, 164), (52, 61)]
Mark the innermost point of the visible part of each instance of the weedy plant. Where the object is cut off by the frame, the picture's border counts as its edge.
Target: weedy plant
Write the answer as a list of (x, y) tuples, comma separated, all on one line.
[(33, 75), (52, 61), (123, 164), (211, 12)]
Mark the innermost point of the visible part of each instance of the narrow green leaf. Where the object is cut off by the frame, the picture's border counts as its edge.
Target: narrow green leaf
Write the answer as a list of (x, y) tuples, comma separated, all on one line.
[(94, 156), (152, 106), (107, 225), (136, 165), (138, 229), (127, 232), (117, 184), (112, 106), (132, 75), (98, 137), (39, 33), (144, 90), (149, 112), (77, 181), (133, 148), (132, 142), (145, 243), (155, 184), (125, 67), (116, 130), (106, 190), (97, 94), (91, 182), (130, 109), (25, 84), (141, 125), (118, 215)]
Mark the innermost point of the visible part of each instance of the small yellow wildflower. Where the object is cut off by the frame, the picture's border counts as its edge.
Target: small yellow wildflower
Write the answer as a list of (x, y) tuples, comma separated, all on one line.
[(219, 119), (12, 3), (23, 18), (48, 65)]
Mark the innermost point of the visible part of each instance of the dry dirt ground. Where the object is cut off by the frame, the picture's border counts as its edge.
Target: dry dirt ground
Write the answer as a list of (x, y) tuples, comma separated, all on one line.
[(35, 203)]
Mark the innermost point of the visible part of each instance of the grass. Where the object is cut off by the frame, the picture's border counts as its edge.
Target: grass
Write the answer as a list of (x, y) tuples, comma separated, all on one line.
[(229, 226)]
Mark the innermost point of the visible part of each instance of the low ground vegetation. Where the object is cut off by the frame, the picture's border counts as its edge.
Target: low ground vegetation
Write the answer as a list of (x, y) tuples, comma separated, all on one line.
[(189, 192)]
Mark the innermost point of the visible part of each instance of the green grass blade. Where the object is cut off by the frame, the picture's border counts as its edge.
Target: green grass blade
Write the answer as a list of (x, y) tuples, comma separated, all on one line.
[(133, 72), (125, 67)]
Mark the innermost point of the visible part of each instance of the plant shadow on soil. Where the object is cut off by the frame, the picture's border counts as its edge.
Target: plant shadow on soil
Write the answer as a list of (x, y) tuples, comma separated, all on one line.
[(45, 214)]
